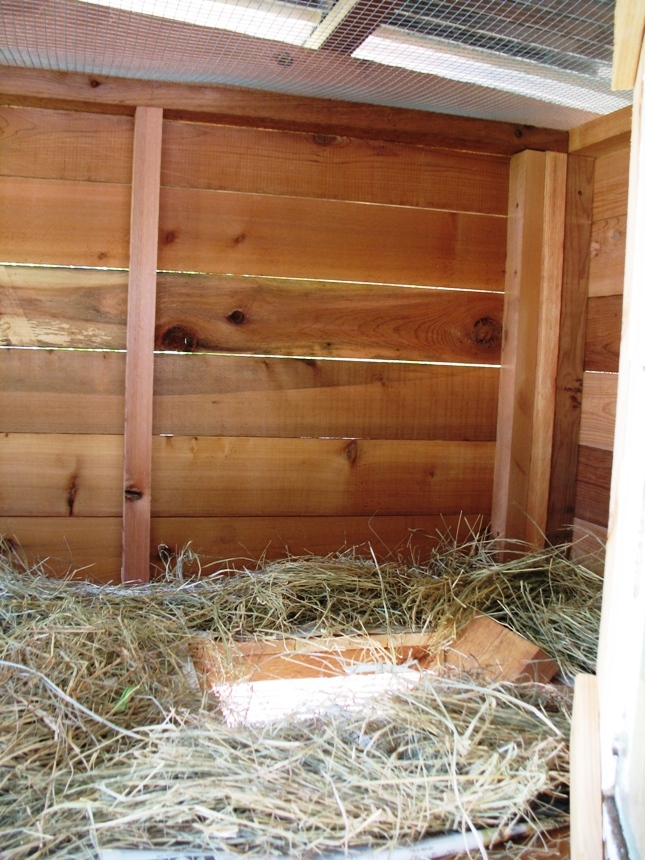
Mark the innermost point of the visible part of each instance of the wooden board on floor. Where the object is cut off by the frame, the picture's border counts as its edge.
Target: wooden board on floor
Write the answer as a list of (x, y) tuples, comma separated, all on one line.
[(594, 481), (604, 323), (598, 419), (607, 263), (66, 391), (75, 475), (265, 316)]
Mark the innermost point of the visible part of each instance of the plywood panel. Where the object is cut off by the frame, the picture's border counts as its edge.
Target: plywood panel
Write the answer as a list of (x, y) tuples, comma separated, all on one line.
[(58, 307), (64, 223), (60, 391), (54, 144), (594, 479), (58, 475), (202, 155), (598, 417), (607, 263), (604, 321), (254, 234), (610, 185)]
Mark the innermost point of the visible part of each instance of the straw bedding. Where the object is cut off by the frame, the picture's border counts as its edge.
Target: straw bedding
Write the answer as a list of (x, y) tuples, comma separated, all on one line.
[(105, 742)]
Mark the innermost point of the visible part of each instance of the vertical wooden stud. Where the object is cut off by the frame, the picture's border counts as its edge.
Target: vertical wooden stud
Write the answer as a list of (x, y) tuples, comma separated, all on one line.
[(571, 349), (142, 283), (530, 346), (586, 798)]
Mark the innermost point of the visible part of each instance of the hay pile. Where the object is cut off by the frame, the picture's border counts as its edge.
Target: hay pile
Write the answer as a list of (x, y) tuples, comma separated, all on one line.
[(103, 742)]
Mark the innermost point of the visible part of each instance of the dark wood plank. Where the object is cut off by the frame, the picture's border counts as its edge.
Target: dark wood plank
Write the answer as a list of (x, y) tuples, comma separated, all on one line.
[(604, 323), (593, 486), (52, 144), (234, 106), (202, 155), (253, 234), (76, 475), (575, 279), (86, 309), (61, 391)]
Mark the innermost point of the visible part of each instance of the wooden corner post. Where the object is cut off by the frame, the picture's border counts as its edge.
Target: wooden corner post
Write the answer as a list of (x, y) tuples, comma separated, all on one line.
[(535, 249), (139, 367)]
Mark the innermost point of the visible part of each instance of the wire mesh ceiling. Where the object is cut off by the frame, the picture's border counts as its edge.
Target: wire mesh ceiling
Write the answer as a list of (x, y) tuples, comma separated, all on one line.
[(540, 62)]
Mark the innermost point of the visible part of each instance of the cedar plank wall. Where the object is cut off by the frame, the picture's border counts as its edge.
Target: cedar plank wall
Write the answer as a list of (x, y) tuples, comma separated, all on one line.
[(602, 338), (279, 250)]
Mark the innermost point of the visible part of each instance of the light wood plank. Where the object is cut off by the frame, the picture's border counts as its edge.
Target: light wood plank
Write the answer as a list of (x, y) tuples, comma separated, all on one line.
[(575, 278), (92, 545), (363, 19), (607, 265), (603, 134), (263, 109), (629, 26), (59, 475), (203, 155), (61, 391), (82, 308), (529, 352), (592, 488), (598, 419), (586, 798), (610, 185), (602, 347), (139, 363), (52, 144), (59, 222), (588, 545), (253, 234)]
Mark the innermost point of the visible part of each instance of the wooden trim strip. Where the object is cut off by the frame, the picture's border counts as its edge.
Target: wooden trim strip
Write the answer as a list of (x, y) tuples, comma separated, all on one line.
[(586, 798), (629, 26), (139, 366)]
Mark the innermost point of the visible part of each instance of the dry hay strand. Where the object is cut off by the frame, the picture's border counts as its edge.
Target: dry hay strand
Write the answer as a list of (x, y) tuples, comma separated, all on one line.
[(104, 742)]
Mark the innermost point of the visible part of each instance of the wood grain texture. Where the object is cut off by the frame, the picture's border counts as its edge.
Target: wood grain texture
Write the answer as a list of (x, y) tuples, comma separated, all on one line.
[(610, 185), (598, 418), (629, 25), (594, 481), (92, 545), (52, 144), (607, 265), (588, 547), (586, 798), (61, 391), (254, 234), (575, 278), (529, 352), (82, 308), (604, 323), (66, 223), (140, 339), (235, 106), (203, 155), (602, 135), (63, 475)]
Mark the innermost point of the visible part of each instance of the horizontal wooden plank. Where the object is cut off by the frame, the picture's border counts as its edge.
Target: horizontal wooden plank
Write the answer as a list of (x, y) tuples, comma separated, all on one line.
[(66, 223), (602, 135), (594, 481), (607, 263), (588, 548), (265, 109), (598, 418), (61, 391), (254, 234), (611, 180), (52, 144), (92, 545), (202, 155), (604, 321), (76, 475), (87, 309)]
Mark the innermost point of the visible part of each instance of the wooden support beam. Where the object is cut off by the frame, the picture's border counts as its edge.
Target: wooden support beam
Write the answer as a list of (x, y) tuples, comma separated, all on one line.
[(529, 350), (146, 172), (602, 135), (629, 27), (350, 22), (586, 800)]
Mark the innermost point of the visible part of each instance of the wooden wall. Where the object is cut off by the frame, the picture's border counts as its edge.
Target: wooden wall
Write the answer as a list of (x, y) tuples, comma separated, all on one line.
[(603, 332), (328, 330)]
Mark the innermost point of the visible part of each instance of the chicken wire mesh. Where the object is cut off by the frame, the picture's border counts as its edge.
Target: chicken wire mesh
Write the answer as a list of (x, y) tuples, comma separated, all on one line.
[(542, 62)]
